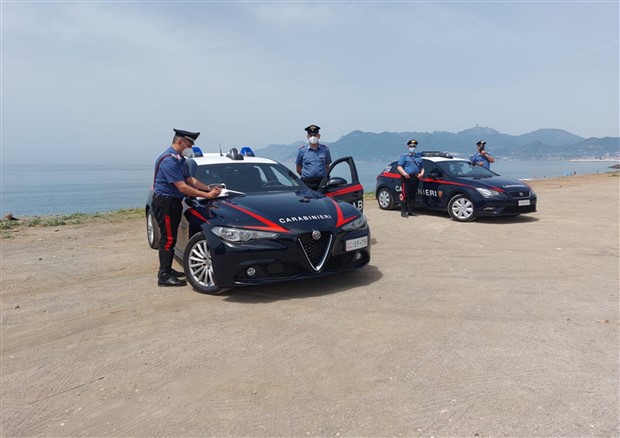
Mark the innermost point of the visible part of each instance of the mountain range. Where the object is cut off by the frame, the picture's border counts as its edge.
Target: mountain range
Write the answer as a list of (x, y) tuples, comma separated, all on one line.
[(543, 144)]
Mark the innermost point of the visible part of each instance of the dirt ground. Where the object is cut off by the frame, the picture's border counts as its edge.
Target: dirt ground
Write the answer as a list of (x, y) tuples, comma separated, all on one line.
[(493, 328)]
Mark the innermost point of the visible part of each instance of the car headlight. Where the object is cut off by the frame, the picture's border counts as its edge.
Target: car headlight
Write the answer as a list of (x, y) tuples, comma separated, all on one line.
[(237, 235), (354, 225), (487, 193)]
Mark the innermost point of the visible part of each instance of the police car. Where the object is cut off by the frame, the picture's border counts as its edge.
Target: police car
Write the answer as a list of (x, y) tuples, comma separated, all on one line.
[(267, 226), (466, 191)]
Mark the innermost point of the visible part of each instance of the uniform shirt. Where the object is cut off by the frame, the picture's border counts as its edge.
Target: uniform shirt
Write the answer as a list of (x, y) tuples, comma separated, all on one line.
[(411, 163), (171, 169), (313, 162), (480, 160)]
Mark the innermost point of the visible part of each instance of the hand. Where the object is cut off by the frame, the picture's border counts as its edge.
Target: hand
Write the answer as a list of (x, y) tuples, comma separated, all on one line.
[(214, 192)]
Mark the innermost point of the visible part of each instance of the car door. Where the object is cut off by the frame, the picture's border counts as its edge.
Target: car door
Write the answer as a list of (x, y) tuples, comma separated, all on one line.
[(342, 183), (429, 190)]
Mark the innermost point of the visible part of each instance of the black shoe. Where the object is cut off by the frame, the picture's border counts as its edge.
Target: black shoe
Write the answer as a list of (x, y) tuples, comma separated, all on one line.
[(171, 281), (177, 274), (411, 213), (404, 214)]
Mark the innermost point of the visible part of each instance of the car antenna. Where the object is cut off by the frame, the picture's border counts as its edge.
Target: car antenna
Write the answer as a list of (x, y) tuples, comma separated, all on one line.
[(221, 154)]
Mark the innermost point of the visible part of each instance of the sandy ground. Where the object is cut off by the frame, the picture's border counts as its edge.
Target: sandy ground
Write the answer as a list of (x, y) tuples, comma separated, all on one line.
[(493, 328)]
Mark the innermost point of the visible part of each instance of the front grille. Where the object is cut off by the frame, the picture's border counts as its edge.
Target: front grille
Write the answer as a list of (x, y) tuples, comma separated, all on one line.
[(316, 250), (519, 194), (519, 210)]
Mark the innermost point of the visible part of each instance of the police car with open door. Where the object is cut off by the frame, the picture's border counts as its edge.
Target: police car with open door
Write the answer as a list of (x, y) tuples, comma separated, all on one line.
[(465, 190), (267, 226)]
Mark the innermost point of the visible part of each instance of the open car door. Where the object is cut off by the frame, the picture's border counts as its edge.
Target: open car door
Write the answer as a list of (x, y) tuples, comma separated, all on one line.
[(342, 183)]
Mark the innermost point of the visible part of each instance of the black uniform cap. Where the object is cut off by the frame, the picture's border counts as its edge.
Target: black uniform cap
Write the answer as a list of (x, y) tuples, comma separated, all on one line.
[(191, 136), (312, 129), (481, 143), (412, 143)]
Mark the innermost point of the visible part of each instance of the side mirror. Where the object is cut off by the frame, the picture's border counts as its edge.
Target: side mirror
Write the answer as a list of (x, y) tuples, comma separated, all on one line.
[(191, 201), (336, 181)]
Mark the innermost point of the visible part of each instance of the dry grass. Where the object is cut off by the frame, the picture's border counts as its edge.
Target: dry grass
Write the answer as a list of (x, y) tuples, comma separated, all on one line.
[(8, 228)]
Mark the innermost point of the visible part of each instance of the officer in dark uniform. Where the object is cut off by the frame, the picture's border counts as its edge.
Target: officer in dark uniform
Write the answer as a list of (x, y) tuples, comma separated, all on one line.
[(171, 183), (313, 159), (410, 169), (482, 158)]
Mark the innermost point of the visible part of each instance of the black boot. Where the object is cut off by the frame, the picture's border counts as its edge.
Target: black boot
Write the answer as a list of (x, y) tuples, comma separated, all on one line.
[(411, 203), (165, 276), (403, 209), (177, 274), (169, 280)]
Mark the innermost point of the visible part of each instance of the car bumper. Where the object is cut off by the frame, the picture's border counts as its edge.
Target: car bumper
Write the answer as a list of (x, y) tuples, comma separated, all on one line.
[(505, 208), (269, 261)]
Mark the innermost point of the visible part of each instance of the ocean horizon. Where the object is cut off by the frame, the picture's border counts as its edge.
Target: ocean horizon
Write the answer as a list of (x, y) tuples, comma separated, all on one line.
[(42, 190)]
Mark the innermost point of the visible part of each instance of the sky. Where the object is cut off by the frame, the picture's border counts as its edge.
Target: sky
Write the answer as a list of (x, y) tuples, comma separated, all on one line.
[(106, 82)]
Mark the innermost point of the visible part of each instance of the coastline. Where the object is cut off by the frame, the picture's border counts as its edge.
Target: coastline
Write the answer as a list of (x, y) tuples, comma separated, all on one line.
[(85, 203), (595, 160)]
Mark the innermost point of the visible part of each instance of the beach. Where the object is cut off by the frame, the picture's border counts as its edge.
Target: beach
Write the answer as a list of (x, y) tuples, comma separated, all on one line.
[(499, 327)]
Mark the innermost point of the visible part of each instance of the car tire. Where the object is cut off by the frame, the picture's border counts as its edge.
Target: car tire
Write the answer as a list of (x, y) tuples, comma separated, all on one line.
[(198, 265), (152, 230), (461, 209), (385, 199)]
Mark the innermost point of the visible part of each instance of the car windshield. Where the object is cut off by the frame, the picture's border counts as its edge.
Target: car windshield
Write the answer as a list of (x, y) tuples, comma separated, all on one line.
[(465, 169), (250, 177)]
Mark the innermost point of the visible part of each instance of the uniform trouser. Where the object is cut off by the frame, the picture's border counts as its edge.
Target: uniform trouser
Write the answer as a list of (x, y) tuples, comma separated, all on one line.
[(312, 183), (409, 188), (168, 211)]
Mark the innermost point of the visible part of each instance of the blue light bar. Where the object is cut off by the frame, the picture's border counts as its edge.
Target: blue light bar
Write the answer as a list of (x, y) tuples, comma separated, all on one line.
[(247, 151), (197, 151)]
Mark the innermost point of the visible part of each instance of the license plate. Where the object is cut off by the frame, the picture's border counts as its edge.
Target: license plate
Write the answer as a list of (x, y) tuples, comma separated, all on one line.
[(360, 242), (524, 202)]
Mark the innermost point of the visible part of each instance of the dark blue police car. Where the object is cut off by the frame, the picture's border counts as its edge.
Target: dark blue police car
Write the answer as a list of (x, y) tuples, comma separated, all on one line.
[(267, 226), (466, 191)]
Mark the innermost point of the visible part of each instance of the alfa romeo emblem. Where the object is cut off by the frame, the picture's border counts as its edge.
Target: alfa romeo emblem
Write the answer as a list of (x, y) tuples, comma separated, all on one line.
[(316, 234)]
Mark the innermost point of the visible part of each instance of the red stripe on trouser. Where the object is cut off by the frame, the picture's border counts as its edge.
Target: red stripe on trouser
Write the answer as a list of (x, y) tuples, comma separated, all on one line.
[(403, 187), (168, 233)]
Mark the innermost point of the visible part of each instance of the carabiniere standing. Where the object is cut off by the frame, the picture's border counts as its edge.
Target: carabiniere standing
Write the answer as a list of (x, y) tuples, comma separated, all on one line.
[(172, 182), (410, 169)]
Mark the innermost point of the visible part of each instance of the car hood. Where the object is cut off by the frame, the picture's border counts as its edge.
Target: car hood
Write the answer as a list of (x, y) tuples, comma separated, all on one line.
[(284, 211), (496, 182)]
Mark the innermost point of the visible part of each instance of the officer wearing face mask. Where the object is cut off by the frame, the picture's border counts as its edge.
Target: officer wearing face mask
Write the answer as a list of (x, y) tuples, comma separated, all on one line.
[(410, 169), (482, 158), (172, 182), (313, 159)]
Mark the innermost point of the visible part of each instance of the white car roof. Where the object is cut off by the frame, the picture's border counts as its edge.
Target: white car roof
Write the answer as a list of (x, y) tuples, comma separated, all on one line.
[(216, 158), (439, 159)]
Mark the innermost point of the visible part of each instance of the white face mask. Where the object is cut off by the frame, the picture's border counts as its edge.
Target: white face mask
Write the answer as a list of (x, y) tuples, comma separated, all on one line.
[(188, 153), (313, 140), (412, 150)]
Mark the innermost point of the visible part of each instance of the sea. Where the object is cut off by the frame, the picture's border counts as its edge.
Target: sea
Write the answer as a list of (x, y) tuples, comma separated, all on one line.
[(42, 190)]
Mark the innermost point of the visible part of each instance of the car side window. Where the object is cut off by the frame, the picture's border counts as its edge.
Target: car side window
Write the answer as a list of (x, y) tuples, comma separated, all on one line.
[(430, 167)]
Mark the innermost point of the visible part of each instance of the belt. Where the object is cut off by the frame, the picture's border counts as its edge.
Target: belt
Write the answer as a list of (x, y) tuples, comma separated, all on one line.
[(158, 196)]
